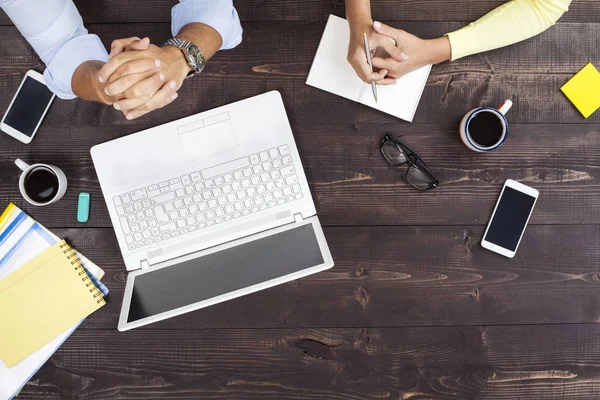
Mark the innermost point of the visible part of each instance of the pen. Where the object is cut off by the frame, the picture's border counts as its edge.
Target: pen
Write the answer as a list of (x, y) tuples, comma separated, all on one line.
[(368, 51)]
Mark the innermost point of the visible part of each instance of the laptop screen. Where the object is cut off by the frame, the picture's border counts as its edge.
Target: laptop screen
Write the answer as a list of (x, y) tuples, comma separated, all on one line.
[(223, 272)]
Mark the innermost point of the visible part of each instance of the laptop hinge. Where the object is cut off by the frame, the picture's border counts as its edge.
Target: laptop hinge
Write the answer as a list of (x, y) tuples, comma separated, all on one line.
[(159, 256)]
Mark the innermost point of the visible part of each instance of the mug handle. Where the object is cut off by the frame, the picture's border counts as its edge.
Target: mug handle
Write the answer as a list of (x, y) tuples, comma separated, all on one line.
[(504, 107), (21, 164)]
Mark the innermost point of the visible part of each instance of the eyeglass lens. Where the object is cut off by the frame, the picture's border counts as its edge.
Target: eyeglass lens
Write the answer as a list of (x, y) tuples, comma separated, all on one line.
[(392, 153), (418, 179)]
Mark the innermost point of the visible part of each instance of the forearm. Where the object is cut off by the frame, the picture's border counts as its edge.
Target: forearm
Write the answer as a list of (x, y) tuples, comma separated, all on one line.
[(203, 36), (55, 30), (358, 11), (193, 19), (510, 23), (439, 50)]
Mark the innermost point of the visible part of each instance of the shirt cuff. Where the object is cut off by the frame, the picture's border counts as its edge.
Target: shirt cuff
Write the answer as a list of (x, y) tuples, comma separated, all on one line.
[(218, 14), (462, 42), (63, 63)]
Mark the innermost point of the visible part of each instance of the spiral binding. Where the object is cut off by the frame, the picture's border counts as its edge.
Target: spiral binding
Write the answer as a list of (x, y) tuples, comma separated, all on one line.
[(72, 253)]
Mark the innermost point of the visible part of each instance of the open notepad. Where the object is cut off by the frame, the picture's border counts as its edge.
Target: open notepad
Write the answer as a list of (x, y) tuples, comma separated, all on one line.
[(331, 72)]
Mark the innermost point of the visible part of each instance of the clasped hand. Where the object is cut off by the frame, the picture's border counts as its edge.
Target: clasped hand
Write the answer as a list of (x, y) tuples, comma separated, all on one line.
[(140, 77)]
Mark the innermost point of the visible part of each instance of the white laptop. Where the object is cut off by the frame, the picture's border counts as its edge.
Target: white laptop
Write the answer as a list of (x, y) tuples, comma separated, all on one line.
[(208, 208)]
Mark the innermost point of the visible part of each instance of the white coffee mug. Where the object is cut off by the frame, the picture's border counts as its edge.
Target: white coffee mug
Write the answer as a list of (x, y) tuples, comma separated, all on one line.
[(499, 113), (27, 173)]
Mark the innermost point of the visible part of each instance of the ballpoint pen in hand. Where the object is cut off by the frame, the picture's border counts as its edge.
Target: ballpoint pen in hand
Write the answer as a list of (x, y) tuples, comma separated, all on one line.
[(368, 51)]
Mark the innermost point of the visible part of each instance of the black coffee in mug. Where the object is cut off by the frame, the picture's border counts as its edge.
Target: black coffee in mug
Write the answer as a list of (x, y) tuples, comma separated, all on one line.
[(485, 129), (41, 184)]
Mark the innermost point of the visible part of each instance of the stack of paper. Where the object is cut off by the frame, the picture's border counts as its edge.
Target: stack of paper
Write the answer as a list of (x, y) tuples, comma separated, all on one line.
[(21, 240)]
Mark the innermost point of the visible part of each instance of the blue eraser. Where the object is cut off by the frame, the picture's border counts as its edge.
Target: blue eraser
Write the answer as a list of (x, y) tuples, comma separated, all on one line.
[(83, 207)]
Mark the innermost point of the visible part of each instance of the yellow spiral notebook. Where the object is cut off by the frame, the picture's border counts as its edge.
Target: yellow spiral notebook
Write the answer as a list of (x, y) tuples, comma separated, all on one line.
[(43, 299)]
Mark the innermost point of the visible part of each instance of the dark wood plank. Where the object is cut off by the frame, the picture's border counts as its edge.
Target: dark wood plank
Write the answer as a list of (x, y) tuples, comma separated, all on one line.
[(115, 11), (520, 362), (399, 276), (414, 286), (279, 55), (352, 184)]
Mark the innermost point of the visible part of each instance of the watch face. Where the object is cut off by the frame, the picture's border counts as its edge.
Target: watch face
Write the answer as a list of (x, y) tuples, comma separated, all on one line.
[(197, 56)]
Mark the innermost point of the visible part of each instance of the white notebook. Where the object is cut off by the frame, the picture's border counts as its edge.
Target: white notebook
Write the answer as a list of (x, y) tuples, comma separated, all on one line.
[(331, 72)]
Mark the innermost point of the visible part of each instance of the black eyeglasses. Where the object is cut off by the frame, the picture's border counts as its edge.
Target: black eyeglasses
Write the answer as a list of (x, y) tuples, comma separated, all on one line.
[(397, 154)]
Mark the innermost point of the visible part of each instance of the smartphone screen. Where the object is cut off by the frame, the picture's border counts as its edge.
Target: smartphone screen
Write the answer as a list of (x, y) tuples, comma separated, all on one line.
[(510, 218), (29, 106)]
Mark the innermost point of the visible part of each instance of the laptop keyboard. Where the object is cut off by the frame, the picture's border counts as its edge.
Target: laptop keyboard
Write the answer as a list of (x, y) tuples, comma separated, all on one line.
[(201, 199)]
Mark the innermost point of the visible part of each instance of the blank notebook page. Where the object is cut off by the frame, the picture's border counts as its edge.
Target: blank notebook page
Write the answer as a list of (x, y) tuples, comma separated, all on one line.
[(41, 300), (331, 72)]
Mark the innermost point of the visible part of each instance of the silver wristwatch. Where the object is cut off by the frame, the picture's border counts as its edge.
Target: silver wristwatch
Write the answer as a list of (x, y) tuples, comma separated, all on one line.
[(193, 54)]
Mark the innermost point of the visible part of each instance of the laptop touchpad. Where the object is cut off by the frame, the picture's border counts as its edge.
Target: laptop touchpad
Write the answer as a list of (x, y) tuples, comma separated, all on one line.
[(208, 136)]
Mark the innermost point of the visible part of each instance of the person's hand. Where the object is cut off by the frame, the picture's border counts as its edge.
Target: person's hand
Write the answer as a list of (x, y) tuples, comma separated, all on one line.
[(133, 43), (356, 52), (143, 80), (87, 82), (409, 52)]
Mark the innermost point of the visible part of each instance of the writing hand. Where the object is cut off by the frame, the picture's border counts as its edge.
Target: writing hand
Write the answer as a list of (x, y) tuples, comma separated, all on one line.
[(409, 51), (356, 52)]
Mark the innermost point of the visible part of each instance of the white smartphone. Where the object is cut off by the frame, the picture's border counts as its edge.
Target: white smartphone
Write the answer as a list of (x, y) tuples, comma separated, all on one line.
[(28, 108), (510, 218)]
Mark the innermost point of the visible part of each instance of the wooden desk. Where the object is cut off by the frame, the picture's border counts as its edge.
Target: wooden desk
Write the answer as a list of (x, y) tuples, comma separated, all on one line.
[(414, 307)]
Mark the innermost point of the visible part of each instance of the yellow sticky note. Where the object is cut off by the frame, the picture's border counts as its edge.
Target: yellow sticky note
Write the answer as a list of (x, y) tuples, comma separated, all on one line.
[(584, 90)]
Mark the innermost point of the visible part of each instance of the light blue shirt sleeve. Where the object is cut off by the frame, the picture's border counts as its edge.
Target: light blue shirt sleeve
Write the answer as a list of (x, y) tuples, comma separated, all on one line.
[(219, 14), (54, 28)]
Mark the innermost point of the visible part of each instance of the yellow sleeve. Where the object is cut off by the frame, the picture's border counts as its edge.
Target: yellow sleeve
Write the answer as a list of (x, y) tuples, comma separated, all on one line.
[(510, 23)]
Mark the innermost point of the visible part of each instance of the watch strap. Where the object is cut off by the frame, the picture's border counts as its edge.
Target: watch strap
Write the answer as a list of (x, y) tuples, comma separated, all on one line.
[(193, 54)]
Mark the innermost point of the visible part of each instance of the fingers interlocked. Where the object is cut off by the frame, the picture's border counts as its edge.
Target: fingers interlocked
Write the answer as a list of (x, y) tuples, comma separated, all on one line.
[(135, 79)]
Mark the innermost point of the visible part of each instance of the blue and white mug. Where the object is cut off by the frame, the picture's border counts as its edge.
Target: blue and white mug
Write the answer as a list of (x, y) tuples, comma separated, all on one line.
[(498, 113)]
